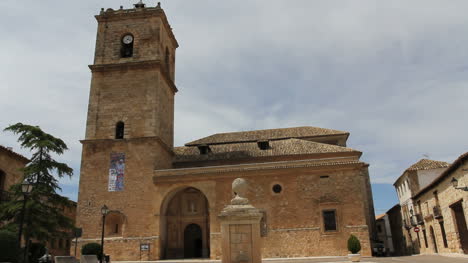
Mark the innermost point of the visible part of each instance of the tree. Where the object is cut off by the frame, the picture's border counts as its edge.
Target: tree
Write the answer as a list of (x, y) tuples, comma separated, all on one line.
[(44, 216)]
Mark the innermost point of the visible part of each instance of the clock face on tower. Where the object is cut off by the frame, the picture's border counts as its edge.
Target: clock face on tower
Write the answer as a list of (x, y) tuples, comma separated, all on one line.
[(127, 39)]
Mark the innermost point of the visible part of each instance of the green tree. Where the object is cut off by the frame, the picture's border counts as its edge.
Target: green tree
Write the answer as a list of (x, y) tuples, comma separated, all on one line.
[(44, 206)]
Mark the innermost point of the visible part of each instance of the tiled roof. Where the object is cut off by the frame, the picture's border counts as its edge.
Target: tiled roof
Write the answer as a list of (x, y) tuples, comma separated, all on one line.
[(425, 164), (459, 161), (271, 134), (380, 216), (251, 149), (11, 152)]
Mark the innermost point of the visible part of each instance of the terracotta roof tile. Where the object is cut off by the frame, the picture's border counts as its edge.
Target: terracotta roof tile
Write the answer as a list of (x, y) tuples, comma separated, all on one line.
[(380, 216), (271, 134), (425, 164), (457, 163), (251, 149)]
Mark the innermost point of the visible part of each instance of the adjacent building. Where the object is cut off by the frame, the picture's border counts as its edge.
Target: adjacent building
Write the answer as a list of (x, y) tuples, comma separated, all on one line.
[(164, 201), (442, 209), (384, 235), (11, 165), (416, 177)]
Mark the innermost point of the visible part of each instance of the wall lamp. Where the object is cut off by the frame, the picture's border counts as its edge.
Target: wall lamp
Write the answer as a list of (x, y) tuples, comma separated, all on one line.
[(455, 185)]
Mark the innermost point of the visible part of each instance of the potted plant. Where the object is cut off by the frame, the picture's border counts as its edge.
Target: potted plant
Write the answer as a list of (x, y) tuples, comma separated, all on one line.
[(354, 246)]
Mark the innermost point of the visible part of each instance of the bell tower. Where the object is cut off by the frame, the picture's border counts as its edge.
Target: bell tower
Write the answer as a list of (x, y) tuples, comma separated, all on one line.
[(129, 128), (133, 75)]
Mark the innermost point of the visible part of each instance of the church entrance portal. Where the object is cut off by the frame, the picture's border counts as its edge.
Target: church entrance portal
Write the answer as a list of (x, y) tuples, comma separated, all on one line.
[(185, 225)]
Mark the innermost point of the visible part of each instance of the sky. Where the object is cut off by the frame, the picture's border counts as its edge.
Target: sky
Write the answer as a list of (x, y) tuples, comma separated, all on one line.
[(392, 73)]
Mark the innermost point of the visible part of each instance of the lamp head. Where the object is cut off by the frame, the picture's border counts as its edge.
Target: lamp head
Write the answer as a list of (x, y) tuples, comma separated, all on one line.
[(104, 210), (454, 182), (26, 187)]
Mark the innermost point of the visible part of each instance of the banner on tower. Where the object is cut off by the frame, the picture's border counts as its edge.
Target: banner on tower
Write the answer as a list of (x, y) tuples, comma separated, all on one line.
[(116, 172)]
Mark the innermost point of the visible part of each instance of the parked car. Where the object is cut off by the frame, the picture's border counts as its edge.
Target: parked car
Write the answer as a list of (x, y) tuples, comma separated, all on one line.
[(379, 250)]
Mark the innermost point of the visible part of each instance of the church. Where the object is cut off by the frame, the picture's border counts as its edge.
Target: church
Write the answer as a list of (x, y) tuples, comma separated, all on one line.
[(164, 201)]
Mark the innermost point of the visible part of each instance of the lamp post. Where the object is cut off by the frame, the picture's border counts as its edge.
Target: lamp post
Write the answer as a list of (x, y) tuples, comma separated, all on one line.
[(104, 211), (26, 188), (455, 185)]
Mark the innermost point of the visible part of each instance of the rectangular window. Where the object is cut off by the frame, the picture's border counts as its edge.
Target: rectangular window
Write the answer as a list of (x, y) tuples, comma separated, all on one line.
[(329, 220)]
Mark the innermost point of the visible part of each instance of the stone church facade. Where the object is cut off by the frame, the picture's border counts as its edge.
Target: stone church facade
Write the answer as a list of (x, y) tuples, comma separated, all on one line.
[(164, 201)]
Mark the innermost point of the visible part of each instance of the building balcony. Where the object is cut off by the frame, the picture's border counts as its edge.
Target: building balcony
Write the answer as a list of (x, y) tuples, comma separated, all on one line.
[(419, 219), (437, 212), (406, 224)]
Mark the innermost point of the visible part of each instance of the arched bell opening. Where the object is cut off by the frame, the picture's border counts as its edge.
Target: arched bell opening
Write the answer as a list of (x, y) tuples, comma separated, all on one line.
[(184, 225)]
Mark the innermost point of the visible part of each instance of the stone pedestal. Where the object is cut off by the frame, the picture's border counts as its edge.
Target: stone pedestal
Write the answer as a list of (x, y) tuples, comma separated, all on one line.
[(240, 229)]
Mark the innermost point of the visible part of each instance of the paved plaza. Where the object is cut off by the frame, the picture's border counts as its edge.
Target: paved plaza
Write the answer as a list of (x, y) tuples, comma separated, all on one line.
[(407, 259)]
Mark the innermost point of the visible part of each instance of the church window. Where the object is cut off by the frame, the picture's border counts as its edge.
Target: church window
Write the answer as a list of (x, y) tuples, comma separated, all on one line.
[(204, 149), (263, 145), (119, 130), (126, 49), (277, 188), (329, 220), (116, 229)]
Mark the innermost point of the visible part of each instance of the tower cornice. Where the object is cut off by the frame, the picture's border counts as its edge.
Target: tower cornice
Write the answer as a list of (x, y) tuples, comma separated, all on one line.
[(122, 14), (135, 65)]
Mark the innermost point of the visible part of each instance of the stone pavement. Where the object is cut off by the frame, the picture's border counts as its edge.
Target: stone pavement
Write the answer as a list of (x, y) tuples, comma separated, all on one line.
[(408, 259)]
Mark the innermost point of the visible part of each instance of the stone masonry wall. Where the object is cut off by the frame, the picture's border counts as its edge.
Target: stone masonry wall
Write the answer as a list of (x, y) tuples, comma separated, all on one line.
[(447, 195), (294, 219)]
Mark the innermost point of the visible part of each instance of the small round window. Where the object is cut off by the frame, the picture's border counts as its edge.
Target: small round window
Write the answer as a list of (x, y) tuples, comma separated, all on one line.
[(277, 188)]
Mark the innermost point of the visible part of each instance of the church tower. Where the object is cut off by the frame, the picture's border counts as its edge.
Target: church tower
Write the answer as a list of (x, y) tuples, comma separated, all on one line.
[(129, 129)]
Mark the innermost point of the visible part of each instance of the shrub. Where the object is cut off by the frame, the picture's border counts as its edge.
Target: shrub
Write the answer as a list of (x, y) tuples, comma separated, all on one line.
[(354, 246), (91, 249), (8, 246)]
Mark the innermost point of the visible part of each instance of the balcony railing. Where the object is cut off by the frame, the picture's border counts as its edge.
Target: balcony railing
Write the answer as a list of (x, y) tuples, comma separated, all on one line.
[(437, 212), (419, 219)]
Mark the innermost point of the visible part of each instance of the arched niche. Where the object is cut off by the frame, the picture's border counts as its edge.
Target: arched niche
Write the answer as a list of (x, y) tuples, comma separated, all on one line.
[(115, 223), (185, 226)]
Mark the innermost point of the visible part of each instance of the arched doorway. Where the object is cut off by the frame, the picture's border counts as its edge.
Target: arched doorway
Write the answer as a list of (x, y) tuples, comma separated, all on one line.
[(185, 225), (434, 243)]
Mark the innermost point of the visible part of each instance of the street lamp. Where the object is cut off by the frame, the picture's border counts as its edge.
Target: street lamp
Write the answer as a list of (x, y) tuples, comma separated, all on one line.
[(455, 185), (104, 211), (26, 188)]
